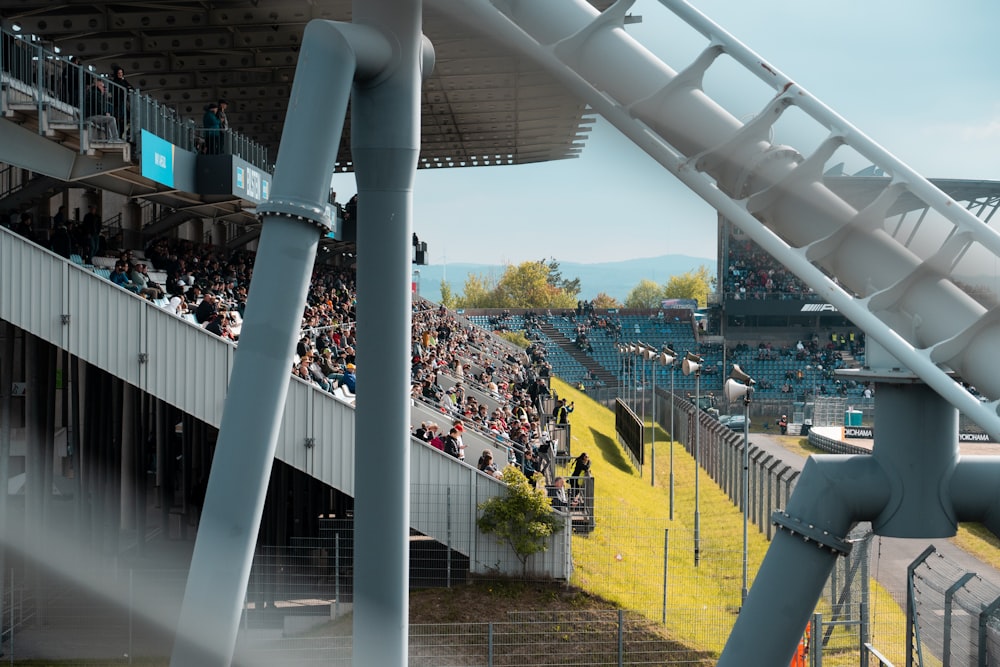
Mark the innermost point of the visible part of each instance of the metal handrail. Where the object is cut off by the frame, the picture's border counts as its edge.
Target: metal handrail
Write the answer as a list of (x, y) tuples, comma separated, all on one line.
[(59, 87)]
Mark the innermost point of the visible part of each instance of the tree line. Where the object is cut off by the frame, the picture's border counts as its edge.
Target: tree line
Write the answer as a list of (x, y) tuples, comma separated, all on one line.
[(541, 285)]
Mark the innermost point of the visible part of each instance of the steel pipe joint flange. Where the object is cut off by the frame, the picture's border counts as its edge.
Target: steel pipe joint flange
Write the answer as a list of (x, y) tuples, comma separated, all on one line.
[(810, 533), (318, 216)]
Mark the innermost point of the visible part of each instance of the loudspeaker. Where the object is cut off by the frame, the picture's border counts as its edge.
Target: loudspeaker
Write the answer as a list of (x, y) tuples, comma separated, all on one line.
[(735, 391), (692, 364), (667, 357), (740, 375)]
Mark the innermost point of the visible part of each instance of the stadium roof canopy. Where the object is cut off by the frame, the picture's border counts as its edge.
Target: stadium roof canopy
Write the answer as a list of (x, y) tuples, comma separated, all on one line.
[(481, 105)]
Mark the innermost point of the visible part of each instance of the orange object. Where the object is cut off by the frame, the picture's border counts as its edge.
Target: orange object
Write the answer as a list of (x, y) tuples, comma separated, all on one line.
[(799, 659)]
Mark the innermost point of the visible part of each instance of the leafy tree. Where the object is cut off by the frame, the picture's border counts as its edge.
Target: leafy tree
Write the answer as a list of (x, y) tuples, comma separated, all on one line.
[(690, 285), (647, 294), (447, 297), (603, 300), (516, 337), (571, 287), (522, 517), (478, 293), (526, 285)]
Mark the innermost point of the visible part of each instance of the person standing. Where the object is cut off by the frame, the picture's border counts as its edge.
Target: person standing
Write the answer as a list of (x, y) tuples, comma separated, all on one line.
[(211, 127), (223, 125), (451, 443), (581, 469), (119, 97), (562, 410), (92, 229)]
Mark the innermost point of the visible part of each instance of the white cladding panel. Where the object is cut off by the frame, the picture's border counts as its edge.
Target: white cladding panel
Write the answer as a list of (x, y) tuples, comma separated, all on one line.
[(105, 325), (33, 287), (187, 366), (332, 426)]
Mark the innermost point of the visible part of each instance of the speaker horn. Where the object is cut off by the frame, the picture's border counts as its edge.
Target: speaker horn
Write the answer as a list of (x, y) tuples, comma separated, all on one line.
[(740, 375), (667, 356), (735, 391), (692, 364)]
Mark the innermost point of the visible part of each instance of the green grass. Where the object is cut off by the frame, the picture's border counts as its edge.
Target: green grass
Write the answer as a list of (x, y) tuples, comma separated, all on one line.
[(702, 601), (980, 542)]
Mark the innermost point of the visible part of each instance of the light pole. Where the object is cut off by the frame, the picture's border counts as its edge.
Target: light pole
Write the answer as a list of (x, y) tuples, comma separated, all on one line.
[(740, 386), (626, 354), (667, 357), (651, 354), (640, 354), (631, 357), (692, 364)]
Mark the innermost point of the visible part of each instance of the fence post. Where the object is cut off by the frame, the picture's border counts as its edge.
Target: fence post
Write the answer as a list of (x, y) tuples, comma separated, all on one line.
[(984, 616), (448, 546), (489, 644), (736, 469), (336, 571), (568, 546), (865, 602), (816, 641), (621, 638), (666, 552), (912, 630), (760, 459), (772, 490), (948, 596)]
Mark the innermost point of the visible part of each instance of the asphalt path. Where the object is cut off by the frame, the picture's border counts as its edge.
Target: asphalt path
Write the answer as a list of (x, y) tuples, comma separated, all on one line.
[(890, 556)]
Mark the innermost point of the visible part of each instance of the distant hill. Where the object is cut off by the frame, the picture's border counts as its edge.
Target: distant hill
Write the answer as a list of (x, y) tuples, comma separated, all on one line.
[(613, 278)]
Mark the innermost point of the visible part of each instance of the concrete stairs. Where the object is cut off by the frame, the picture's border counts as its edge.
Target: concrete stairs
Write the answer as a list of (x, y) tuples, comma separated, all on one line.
[(588, 362)]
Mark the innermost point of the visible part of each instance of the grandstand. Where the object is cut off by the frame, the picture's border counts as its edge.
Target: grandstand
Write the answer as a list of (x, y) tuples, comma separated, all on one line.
[(121, 403)]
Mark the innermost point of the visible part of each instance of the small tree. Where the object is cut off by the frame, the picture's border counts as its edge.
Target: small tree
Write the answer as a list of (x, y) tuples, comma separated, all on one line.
[(522, 517)]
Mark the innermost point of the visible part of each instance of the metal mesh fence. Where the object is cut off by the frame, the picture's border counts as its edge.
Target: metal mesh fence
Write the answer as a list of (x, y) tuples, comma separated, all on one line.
[(542, 639), (953, 614)]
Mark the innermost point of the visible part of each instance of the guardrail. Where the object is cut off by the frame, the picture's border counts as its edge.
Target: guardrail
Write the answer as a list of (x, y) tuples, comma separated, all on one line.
[(63, 94)]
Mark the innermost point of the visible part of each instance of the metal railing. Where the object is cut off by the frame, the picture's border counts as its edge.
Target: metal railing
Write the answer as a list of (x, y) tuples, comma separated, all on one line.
[(64, 96), (953, 615)]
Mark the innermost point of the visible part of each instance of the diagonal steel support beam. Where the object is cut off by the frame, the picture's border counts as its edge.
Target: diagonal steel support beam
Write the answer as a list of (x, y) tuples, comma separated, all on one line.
[(332, 56)]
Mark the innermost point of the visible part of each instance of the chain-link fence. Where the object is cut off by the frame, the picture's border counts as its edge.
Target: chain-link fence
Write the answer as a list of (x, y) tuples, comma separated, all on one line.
[(525, 639), (954, 615)]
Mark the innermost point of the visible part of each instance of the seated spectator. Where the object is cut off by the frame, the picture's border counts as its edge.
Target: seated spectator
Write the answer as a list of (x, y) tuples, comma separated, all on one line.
[(559, 497), (120, 278), (97, 110), (177, 305), (421, 432), (215, 325), (208, 307), (349, 380), (147, 288), (486, 464), (434, 436)]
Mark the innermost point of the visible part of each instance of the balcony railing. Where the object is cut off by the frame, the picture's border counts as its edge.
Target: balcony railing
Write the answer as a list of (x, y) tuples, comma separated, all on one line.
[(65, 97)]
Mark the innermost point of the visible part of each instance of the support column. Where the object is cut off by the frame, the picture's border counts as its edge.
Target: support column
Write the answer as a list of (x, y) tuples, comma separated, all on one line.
[(293, 220), (833, 493), (385, 144)]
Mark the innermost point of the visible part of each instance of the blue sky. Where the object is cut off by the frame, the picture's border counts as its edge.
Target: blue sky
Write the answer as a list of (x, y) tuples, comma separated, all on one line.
[(919, 78)]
